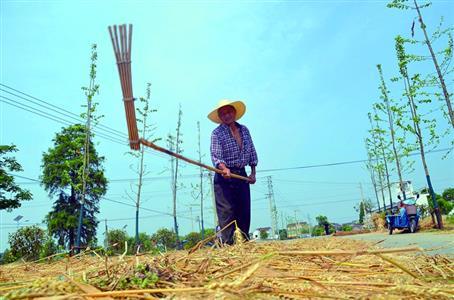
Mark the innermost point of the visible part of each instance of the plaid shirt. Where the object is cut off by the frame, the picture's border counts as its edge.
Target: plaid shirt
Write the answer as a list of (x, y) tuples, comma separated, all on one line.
[(225, 149)]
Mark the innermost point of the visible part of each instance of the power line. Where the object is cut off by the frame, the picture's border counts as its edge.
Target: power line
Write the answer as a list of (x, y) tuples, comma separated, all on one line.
[(313, 204), (63, 111), (344, 162), (56, 118), (314, 182)]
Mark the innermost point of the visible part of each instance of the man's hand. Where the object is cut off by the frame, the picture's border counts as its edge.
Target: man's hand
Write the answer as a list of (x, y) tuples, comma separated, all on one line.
[(252, 178), (225, 171), (252, 175)]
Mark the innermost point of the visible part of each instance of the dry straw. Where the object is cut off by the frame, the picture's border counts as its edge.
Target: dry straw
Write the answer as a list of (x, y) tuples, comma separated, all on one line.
[(314, 268)]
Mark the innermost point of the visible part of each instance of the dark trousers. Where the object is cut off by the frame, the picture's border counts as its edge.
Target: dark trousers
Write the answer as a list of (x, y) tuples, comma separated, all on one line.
[(233, 202)]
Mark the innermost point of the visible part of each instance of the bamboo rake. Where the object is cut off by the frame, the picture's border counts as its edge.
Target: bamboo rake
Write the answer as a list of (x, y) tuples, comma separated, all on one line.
[(122, 51)]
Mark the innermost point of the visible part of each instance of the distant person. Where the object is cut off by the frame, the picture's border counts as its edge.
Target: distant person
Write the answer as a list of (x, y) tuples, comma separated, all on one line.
[(218, 233), (232, 150)]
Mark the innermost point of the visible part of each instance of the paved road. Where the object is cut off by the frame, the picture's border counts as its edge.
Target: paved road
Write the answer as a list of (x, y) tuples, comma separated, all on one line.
[(435, 242)]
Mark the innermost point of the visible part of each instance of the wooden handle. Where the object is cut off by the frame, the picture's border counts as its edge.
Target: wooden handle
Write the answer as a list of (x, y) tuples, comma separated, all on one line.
[(163, 150)]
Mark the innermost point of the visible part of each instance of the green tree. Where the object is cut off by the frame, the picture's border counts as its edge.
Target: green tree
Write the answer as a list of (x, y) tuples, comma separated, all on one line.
[(263, 234), (27, 242), (322, 220), (62, 178), (11, 194), (324, 224), (165, 238)]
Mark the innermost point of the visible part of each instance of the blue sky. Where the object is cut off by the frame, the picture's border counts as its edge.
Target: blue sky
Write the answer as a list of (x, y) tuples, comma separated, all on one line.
[(305, 69)]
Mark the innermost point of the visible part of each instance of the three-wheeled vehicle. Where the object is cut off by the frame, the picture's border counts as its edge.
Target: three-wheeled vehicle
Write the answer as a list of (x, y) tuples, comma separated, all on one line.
[(407, 216)]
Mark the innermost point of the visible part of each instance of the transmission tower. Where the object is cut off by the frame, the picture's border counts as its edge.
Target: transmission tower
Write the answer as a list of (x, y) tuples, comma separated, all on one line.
[(273, 210)]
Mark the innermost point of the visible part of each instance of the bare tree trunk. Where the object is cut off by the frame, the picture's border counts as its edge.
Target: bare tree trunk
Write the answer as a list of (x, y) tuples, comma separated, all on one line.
[(175, 176), (139, 188), (382, 188), (437, 67), (374, 182)]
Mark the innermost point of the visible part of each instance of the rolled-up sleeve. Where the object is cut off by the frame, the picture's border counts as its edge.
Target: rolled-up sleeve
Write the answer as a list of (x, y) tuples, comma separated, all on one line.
[(253, 159), (216, 150)]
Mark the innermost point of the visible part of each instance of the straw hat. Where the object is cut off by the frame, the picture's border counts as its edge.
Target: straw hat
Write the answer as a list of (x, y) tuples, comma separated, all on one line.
[(238, 105)]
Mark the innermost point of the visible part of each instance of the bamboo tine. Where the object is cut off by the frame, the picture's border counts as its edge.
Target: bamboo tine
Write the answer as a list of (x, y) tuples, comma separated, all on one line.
[(116, 43), (120, 33), (112, 40), (124, 39), (130, 42)]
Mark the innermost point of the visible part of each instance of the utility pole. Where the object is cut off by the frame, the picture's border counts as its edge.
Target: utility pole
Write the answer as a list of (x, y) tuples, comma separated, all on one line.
[(192, 220), (297, 225), (309, 222), (201, 184), (282, 220), (273, 211), (197, 219), (215, 214), (107, 236)]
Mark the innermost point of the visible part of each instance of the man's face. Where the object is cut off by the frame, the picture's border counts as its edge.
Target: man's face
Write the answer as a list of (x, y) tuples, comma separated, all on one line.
[(227, 114)]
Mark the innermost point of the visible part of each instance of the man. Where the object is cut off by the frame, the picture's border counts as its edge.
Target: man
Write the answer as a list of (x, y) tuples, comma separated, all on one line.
[(232, 150)]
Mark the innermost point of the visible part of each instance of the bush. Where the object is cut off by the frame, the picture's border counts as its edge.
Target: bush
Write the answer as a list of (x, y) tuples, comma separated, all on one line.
[(209, 232), (318, 230), (165, 239), (117, 239), (283, 234), (48, 248), (263, 235), (8, 257), (450, 220), (347, 228), (445, 206), (192, 239), (27, 242)]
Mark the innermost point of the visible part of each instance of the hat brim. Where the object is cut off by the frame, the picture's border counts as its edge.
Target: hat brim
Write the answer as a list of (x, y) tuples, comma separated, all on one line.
[(239, 106)]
